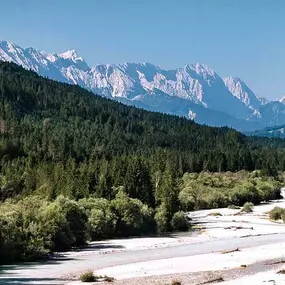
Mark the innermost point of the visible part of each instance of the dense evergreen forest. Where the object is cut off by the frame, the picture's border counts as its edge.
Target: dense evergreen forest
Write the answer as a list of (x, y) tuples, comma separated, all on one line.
[(74, 166)]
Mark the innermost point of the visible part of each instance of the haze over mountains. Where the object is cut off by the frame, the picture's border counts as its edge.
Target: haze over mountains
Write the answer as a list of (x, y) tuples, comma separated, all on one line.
[(194, 91)]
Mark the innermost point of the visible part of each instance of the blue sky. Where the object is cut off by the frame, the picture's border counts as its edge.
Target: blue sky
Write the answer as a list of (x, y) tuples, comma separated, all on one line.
[(243, 38)]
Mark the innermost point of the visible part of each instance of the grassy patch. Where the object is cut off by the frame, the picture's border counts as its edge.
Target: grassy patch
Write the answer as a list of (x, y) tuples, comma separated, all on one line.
[(247, 207), (88, 277), (276, 213)]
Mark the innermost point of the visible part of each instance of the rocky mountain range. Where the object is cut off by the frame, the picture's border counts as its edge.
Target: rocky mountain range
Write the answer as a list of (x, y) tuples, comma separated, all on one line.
[(194, 91)]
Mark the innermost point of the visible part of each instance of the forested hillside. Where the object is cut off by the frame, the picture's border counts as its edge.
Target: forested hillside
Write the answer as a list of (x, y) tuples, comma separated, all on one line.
[(271, 132), (75, 166)]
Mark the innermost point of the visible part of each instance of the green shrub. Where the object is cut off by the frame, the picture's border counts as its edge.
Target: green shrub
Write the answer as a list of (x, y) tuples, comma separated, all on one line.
[(267, 190), (88, 277), (247, 207), (192, 196), (101, 220), (276, 213), (179, 222), (133, 217), (73, 227), (161, 218), (22, 235), (216, 199)]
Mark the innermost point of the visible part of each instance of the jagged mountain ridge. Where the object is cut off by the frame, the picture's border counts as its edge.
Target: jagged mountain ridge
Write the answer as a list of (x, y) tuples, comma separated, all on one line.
[(194, 91), (241, 91)]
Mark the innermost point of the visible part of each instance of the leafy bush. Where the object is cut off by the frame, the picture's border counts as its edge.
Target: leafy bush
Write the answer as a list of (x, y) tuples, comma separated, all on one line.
[(192, 196), (101, 219), (248, 207), (72, 231), (133, 217), (21, 235), (88, 277), (216, 199), (179, 222), (161, 218), (276, 213), (34, 227)]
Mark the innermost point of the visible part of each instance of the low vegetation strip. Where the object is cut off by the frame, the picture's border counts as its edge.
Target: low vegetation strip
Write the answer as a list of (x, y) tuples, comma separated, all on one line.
[(89, 277), (35, 226), (233, 190)]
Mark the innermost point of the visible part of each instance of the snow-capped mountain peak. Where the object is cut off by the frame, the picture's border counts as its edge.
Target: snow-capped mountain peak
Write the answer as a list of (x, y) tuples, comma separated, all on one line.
[(71, 54), (8, 50), (241, 91), (51, 57), (8, 45), (68, 60), (201, 69)]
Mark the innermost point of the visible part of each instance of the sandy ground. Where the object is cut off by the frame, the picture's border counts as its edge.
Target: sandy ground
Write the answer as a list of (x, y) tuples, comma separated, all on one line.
[(137, 244), (234, 276), (232, 223), (270, 277), (196, 263), (229, 224)]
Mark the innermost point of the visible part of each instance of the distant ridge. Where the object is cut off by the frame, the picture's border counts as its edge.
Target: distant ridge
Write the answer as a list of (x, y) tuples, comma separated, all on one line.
[(194, 91)]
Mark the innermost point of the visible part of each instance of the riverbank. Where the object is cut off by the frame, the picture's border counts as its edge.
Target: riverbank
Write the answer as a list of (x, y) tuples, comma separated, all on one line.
[(231, 243)]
